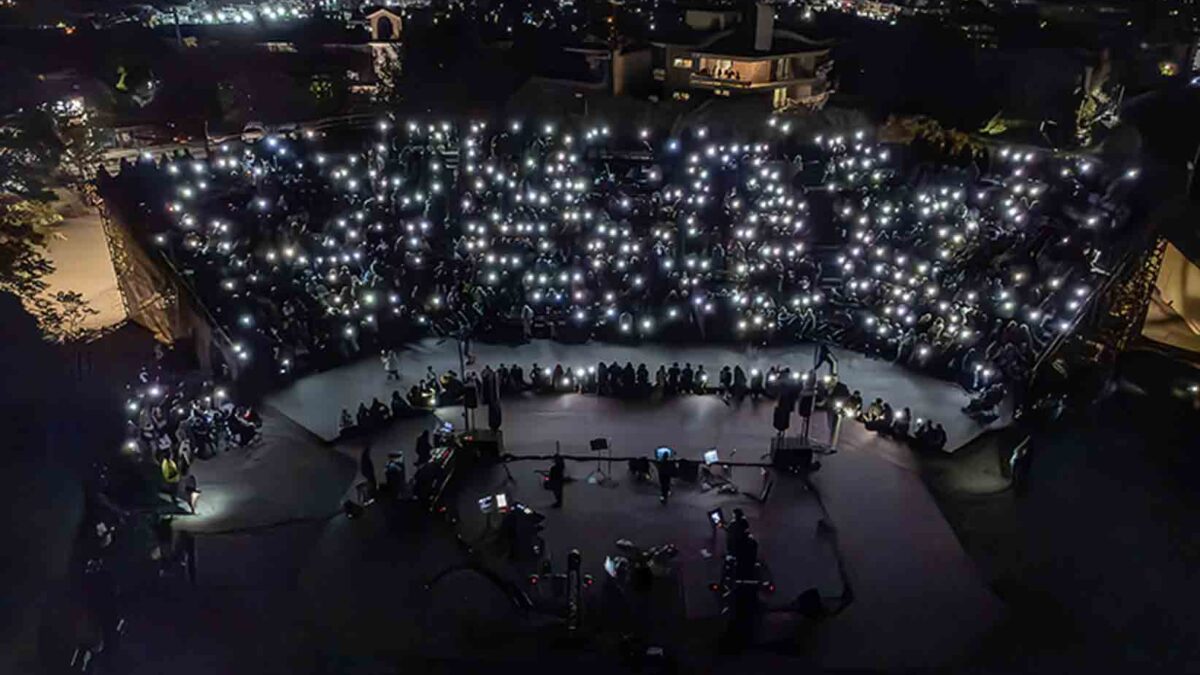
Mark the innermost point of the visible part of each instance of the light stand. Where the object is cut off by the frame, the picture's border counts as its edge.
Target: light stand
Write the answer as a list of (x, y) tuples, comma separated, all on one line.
[(462, 377), (598, 476)]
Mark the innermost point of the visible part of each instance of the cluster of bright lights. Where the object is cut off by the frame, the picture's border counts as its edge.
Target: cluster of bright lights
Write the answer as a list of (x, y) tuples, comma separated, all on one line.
[(239, 13), (703, 231), (204, 404)]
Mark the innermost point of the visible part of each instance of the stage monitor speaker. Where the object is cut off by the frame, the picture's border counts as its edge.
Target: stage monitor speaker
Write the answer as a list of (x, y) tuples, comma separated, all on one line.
[(687, 470), (486, 445), (639, 465), (790, 454), (470, 397)]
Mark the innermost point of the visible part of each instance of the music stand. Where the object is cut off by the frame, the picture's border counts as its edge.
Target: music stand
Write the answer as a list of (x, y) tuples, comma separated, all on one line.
[(598, 476)]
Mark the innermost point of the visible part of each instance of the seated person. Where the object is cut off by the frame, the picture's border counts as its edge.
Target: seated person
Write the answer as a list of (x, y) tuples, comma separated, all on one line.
[(900, 423), (251, 416), (379, 411), (773, 382), (883, 423), (643, 378), (921, 433), (937, 439), (452, 388), (854, 403), (537, 377), (432, 379), (929, 437), (400, 407), (987, 401), (756, 383), (242, 430), (840, 392), (873, 411)]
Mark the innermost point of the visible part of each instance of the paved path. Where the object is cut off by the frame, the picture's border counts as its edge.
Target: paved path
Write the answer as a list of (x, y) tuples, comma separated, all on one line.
[(82, 264)]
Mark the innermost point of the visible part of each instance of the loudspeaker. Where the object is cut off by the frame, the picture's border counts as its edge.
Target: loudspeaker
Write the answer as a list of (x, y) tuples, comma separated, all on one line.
[(486, 444), (639, 465), (599, 444), (790, 454), (687, 470)]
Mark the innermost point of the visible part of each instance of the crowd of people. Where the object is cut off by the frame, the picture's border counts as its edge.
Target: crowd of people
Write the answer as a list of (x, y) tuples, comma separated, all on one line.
[(733, 383), (172, 422), (309, 253)]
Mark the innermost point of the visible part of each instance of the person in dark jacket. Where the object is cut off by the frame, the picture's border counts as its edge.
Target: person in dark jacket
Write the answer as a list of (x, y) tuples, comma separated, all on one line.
[(367, 466), (423, 448), (666, 469), (558, 471)]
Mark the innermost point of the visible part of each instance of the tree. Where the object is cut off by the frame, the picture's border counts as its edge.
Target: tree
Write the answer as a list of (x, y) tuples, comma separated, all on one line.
[(387, 67), (83, 149), (30, 152), (947, 141), (24, 227)]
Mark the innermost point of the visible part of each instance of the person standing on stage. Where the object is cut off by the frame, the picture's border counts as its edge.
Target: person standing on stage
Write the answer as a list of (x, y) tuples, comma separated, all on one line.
[(367, 466), (424, 447), (558, 471), (391, 364), (736, 532), (666, 469), (527, 322), (395, 475)]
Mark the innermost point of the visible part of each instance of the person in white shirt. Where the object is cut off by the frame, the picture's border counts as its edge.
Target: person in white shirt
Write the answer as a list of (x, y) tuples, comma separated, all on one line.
[(391, 364)]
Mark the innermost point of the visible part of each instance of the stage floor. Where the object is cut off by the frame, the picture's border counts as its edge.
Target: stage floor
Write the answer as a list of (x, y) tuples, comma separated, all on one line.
[(315, 401), (919, 602)]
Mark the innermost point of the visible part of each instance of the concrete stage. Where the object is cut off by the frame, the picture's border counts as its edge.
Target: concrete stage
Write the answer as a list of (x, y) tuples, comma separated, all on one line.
[(315, 401), (919, 601)]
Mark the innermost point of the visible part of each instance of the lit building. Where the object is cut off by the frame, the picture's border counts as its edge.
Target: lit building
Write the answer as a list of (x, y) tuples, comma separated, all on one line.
[(752, 58)]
